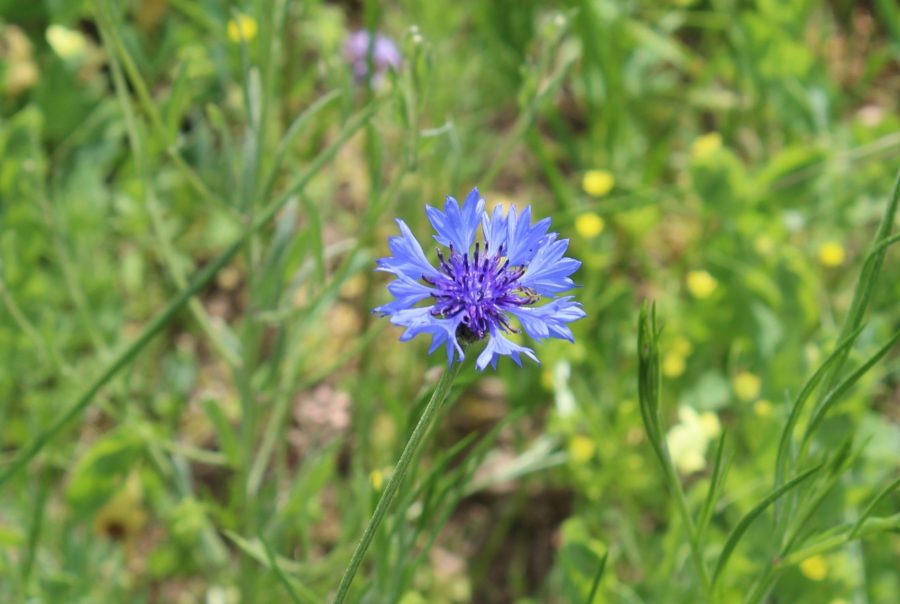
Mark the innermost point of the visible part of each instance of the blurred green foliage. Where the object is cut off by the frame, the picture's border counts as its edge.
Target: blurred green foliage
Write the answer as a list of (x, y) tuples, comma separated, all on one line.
[(729, 160)]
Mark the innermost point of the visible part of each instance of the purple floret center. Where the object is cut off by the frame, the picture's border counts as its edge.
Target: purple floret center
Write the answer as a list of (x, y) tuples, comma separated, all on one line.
[(481, 288)]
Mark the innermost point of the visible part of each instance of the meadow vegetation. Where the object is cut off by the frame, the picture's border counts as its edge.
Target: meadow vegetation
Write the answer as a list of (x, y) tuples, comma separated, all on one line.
[(197, 403)]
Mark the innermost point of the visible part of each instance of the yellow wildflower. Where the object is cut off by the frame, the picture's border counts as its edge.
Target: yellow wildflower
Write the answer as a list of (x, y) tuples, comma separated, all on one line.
[(673, 364), (376, 478), (589, 225), (710, 423), (763, 408), (65, 42), (706, 145), (682, 346), (814, 568), (764, 245), (701, 284), (581, 449), (597, 183), (17, 54), (243, 28), (832, 254), (746, 385)]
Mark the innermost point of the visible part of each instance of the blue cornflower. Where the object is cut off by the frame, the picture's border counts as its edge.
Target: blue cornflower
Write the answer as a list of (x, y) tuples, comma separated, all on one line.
[(476, 294)]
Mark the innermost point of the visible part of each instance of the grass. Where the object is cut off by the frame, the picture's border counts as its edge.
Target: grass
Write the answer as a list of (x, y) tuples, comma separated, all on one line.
[(196, 403)]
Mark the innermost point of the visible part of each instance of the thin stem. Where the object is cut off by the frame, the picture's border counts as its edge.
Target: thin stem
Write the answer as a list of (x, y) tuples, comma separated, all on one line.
[(390, 491), (681, 502)]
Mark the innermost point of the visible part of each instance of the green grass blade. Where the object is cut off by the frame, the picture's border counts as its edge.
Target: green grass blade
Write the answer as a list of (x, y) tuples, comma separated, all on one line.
[(716, 484), (648, 396), (279, 574), (293, 130), (782, 458), (596, 584), (865, 285), (837, 538), (815, 497), (835, 395), (735, 536), (871, 507)]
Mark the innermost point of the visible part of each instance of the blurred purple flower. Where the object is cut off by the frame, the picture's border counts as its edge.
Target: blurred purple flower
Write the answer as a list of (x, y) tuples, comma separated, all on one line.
[(385, 55)]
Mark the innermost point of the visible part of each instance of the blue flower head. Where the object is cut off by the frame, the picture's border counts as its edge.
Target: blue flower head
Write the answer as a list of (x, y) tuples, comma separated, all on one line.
[(481, 292)]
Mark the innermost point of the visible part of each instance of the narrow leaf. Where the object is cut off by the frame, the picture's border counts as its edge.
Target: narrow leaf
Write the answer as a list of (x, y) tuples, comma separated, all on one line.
[(596, 584), (836, 394), (748, 519)]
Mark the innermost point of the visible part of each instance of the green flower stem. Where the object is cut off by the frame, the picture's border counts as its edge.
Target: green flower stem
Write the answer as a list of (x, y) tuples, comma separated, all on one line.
[(410, 451)]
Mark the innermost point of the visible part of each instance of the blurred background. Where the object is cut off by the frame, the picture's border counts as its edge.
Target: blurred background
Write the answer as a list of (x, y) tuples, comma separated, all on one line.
[(728, 159)]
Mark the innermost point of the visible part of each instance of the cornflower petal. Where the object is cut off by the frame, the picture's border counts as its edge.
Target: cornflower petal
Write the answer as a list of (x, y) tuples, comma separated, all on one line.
[(407, 257), (494, 228), (498, 346), (456, 226), (442, 331), (548, 272), (407, 293), (549, 320), (523, 240)]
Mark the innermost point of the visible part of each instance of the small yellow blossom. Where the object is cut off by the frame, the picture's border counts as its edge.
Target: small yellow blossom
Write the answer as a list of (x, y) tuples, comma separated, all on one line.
[(706, 145), (673, 364), (711, 426), (832, 254), (763, 408), (598, 183), (20, 77), (581, 448), (17, 54), (376, 478), (764, 245), (244, 28), (589, 225), (682, 346), (746, 385), (701, 284), (815, 568), (65, 42)]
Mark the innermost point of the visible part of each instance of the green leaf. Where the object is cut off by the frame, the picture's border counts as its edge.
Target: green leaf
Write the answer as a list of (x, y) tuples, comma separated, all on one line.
[(782, 458), (835, 395), (716, 484), (871, 507), (735, 536), (103, 468)]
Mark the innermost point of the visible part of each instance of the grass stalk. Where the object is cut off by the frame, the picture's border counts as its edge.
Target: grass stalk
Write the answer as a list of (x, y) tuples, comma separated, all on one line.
[(410, 450)]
